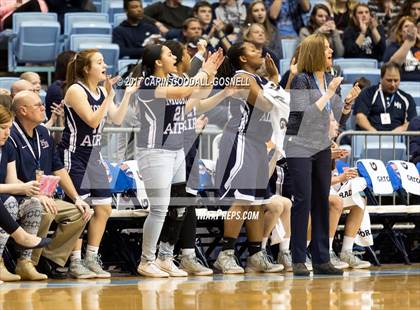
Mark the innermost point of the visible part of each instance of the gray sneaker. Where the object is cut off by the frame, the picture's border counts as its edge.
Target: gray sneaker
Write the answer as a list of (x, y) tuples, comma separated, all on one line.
[(93, 263), (337, 263), (226, 262), (353, 260), (260, 262), (192, 266), (285, 258), (78, 270)]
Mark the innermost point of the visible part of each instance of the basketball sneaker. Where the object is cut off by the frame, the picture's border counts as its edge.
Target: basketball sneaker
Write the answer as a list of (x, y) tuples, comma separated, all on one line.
[(260, 262), (226, 262), (190, 264), (337, 263), (167, 265), (285, 258), (78, 270), (353, 261), (94, 264)]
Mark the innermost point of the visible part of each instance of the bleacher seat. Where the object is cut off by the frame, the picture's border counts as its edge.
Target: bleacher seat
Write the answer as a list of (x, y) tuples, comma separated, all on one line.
[(413, 88), (382, 149), (284, 65), (119, 18), (111, 7), (35, 40), (6, 82), (288, 47), (345, 63), (75, 23), (352, 74), (124, 63), (77, 39), (110, 52)]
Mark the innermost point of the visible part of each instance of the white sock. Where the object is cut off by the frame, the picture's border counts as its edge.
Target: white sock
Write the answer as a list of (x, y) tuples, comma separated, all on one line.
[(285, 244), (308, 242), (91, 250), (188, 252), (347, 244), (331, 242), (76, 255), (264, 242)]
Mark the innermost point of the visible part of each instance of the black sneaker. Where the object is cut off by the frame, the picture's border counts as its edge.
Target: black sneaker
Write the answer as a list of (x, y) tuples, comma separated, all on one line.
[(49, 268), (327, 269), (299, 269)]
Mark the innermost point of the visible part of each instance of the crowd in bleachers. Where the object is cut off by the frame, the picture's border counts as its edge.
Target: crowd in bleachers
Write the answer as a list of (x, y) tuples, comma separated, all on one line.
[(362, 58)]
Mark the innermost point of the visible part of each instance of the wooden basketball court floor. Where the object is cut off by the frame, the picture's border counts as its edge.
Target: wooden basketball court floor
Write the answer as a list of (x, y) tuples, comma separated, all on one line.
[(385, 287)]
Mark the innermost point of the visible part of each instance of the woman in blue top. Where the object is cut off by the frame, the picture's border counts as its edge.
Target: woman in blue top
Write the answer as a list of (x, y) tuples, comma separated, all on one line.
[(163, 100)]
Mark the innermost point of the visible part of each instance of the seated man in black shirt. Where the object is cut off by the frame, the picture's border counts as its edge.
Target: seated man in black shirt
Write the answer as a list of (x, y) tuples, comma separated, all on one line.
[(384, 107), (131, 34)]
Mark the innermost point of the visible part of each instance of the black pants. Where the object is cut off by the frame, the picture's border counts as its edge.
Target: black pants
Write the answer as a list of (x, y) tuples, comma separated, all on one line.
[(311, 181), (6, 221)]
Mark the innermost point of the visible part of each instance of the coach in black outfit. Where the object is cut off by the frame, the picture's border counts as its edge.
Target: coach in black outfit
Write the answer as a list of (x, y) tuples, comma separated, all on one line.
[(314, 99)]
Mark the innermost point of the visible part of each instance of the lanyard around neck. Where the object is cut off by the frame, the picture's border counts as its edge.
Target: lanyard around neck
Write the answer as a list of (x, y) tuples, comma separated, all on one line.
[(37, 159), (381, 93), (323, 91)]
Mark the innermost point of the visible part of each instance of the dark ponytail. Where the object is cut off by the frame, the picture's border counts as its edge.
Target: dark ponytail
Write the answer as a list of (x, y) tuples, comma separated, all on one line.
[(232, 62), (150, 55)]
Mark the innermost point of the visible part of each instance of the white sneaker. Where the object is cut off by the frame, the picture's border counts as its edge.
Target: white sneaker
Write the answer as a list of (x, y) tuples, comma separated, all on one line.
[(353, 260), (167, 265), (308, 263), (285, 258), (150, 269), (226, 262), (192, 266), (337, 263), (259, 262)]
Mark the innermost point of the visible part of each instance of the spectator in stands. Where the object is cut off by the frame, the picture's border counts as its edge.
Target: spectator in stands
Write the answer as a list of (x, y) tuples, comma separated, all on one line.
[(191, 31), (6, 101), (132, 33), (55, 95), (364, 38), (8, 7), (384, 10), (33, 78), (287, 15), (4, 91), (406, 50), (20, 85), (414, 141), (256, 34), (171, 13), (320, 22), (385, 107), (204, 12), (341, 10), (257, 13), (232, 12), (69, 6), (408, 8), (35, 154)]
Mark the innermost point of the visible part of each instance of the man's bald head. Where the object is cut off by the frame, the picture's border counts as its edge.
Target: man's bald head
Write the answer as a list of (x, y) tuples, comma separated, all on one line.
[(20, 85)]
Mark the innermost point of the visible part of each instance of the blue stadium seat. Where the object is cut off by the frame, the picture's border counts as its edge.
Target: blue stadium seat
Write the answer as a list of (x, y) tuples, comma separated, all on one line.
[(413, 88), (288, 47), (111, 53), (284, 65), (77, 39), (345, 63), (124, 63), (119, 18), (6, 82), (90, 20), (35, 40), (352, 74)]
